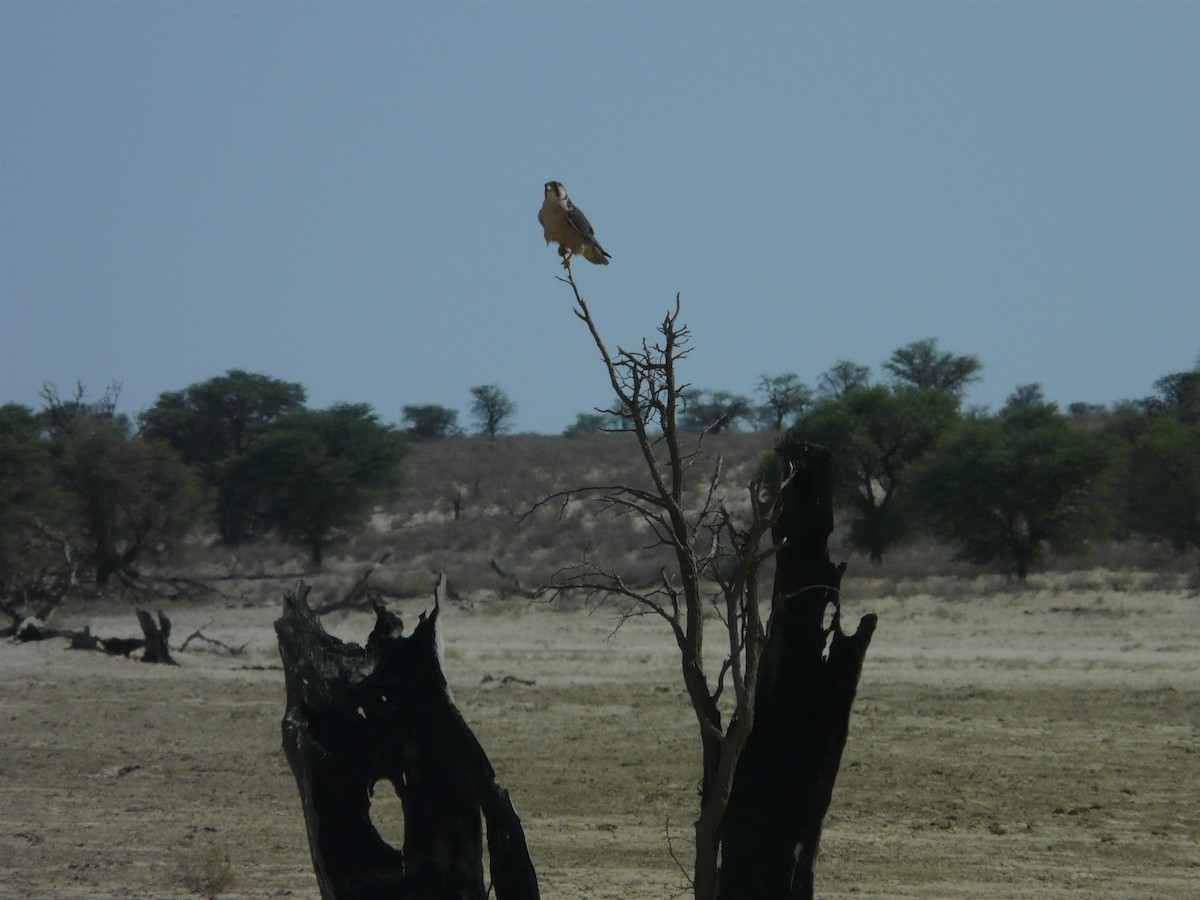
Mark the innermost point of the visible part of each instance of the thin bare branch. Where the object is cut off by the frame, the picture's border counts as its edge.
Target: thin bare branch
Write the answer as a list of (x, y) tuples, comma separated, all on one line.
[(199, 635), (671, 850)]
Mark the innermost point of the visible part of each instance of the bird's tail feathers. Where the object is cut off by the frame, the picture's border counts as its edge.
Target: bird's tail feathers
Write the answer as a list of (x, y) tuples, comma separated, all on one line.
[(594, 253)]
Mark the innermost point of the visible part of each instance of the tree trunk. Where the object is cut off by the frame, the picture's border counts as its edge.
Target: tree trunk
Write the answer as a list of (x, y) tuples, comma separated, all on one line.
[(158, 637), (807, 680), (356, 716)]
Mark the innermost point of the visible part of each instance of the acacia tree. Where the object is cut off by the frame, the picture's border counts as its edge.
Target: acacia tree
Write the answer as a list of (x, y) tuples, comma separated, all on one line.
[(1005, 489), (316, 473), (841, 378), (876, 434), (591, 423), (783, 395), (713, 412), (926, 368), (491, 408), (130, 494), (1162, 485), (212, 423), (715, 552), (429, 421), (37, 567)]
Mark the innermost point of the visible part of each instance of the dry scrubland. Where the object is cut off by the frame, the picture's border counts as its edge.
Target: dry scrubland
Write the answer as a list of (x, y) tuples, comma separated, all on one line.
[(1036, 741)]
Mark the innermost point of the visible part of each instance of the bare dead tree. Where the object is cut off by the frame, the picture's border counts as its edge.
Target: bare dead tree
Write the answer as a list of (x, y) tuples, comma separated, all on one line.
[(32, 591), (803, 673), (716, 554)]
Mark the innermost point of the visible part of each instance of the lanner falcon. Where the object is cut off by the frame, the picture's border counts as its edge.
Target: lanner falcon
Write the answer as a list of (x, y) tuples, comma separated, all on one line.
[(564, 222)]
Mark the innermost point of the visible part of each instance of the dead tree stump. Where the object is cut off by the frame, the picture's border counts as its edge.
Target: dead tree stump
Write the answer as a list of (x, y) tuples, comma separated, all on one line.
[(158, 638), (360, 715), (807, 680)]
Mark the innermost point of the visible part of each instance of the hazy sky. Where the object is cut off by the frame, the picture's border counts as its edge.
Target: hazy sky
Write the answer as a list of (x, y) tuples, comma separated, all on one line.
[(345, 195)]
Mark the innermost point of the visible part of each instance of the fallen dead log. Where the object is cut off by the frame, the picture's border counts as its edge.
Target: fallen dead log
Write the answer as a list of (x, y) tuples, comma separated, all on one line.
[(155, 638), (85, 640), (356, 716)]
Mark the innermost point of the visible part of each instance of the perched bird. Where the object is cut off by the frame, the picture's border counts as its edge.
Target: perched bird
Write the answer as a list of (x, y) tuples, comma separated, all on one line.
[(564, 222)]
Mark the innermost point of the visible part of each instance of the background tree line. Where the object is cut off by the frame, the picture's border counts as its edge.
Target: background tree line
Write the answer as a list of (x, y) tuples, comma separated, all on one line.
[(1004, 488), (85, 489)]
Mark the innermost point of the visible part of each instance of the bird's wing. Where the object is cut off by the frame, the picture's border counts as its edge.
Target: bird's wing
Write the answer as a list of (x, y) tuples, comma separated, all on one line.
[(579, 221)]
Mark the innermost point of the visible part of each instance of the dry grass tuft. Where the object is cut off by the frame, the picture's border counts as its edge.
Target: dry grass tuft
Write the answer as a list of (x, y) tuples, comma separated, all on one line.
[(204, 870)]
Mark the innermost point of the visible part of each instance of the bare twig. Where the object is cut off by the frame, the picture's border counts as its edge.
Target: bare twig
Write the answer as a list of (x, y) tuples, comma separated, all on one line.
[(199, 635), (362, 593), (690, 884)]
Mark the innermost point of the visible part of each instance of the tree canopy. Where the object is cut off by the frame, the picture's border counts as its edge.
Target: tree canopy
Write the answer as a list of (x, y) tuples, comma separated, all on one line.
[(316, 472), (921, 365), (784, 396), (1004, 490), (841, 378), (1177, 395), (714, 411), (491, 409), (31, 506), (875, 434), (1162, 484), (429, 421), (130, 493), (208, 422), (215, 421)]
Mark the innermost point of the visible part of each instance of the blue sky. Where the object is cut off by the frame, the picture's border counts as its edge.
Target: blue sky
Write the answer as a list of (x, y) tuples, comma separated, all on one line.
[(345, 195)]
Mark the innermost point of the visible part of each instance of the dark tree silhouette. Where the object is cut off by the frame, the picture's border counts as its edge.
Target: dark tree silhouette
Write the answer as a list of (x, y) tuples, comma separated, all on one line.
[(428, 421), (316, 473), (1004, 490), (926, 368), (491, 409), (783, 396), (841, 378)]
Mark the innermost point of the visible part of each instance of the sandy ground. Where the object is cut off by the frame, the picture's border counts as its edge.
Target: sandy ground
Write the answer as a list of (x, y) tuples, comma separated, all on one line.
[(1032, 744)]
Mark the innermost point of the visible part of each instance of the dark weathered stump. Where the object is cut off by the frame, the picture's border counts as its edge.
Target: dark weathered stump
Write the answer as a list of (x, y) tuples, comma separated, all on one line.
[(158, 638), (807, 680), (360, 715)]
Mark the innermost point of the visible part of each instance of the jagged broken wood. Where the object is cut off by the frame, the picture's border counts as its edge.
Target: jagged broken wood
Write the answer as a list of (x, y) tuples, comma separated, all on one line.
[(356, 716), (808, 676)]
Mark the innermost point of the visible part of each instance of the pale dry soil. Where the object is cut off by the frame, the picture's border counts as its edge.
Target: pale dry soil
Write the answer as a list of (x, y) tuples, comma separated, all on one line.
[(1028, 744)]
